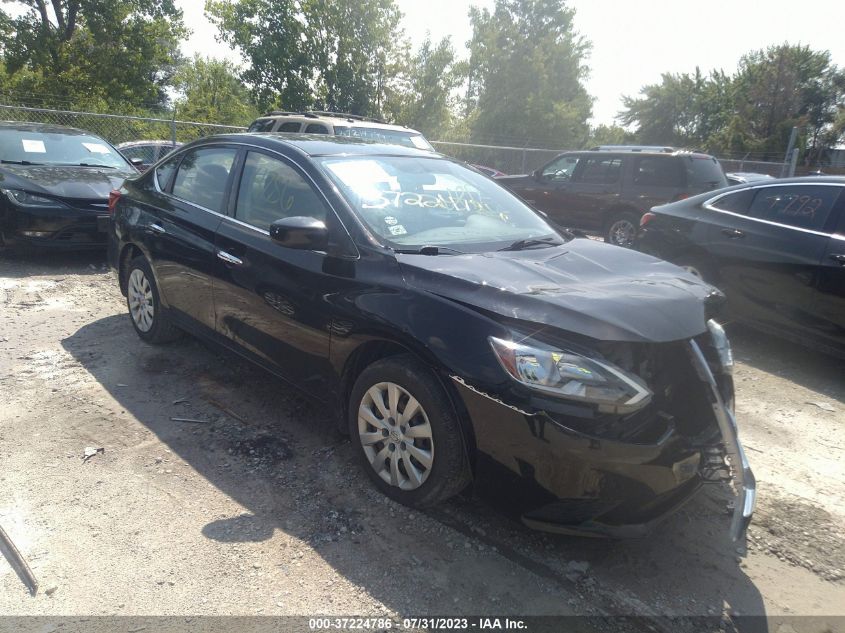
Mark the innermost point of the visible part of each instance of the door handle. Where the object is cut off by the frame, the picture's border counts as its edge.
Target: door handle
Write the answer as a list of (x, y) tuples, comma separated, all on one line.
[(229, 259), (733, 233), (155, 228), (838, 258)]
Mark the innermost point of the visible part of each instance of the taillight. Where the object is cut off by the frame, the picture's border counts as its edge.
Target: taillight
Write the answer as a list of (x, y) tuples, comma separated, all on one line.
[(114, 196), (647, 217)]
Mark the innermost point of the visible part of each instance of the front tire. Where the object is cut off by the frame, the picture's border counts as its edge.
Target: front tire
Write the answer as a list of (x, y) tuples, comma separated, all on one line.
[(406, 433), (148, 317), (622, 230)]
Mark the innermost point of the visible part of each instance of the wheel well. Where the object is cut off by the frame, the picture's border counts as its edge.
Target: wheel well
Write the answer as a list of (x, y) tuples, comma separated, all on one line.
[(129, 252), (372, 351), (614, 212)]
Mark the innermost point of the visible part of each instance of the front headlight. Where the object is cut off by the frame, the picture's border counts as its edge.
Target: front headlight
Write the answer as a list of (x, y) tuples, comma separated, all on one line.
[(26, 199), (722, 345), (572, 376)]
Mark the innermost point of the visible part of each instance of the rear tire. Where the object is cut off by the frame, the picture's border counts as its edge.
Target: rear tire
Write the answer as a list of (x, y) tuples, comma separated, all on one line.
[(622, 230), (406, 432), (148, 316)]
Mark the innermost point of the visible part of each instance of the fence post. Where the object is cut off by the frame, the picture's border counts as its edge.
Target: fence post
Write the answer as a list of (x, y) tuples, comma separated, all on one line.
[(788, 156), (173, 127), (793, 162), (524, 158)]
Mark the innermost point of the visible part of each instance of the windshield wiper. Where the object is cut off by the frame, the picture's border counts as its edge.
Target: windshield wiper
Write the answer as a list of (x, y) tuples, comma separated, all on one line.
[(18, 162), (427, 250), (552, 240), (84, 165)]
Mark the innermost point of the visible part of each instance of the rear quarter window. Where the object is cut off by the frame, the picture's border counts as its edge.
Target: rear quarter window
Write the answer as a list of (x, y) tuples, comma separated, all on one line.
[(704, 173), (737, 202)]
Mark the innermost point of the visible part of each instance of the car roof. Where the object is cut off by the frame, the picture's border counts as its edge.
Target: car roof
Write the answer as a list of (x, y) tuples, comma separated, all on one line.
[(324, 144), (768, 182), (44, 128), (646, 151), (337, 119), (138, 143)]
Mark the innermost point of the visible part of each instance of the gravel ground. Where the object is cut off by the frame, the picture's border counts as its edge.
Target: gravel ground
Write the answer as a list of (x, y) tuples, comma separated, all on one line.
[(259, 508)]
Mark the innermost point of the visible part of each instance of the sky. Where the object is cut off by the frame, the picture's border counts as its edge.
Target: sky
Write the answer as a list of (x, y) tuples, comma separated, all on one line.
[(634, 41)]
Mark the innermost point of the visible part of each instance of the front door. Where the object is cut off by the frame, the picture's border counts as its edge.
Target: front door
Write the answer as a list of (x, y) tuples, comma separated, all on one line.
[(271, 300), (831, 288)]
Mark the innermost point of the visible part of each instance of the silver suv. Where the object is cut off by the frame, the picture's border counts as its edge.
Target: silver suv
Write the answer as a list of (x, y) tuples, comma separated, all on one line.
[(339, 124)]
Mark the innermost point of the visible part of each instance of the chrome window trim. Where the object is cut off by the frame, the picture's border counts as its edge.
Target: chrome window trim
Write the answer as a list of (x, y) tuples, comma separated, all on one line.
[(285, 159), (708, 204)]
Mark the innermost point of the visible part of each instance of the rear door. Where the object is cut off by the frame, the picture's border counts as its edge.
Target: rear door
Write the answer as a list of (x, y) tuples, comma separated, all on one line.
[(594, 187), (181, 238), (270, 300), (655, 179), (831, 288), (768, 249)]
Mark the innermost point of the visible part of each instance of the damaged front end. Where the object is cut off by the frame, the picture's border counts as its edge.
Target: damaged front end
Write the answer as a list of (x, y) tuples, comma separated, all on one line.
[(609, 441)]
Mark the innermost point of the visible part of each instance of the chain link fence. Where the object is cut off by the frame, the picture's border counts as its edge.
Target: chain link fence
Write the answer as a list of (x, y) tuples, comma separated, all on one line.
[(510, 160), (116, 128)]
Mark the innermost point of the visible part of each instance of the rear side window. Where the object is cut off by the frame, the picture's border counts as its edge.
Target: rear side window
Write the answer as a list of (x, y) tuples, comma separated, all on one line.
[(261, 125), (738, 202), (802, 206), (290, 126), (657, 171), (599, 170), (165, 172), (202, 176), (316, 128), (147, 153), (704, 173)]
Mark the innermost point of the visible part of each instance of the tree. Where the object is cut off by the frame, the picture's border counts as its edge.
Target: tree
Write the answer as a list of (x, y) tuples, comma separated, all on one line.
[(526, 73), (324, 54), (211, 91), (424, 100), (94, 51)]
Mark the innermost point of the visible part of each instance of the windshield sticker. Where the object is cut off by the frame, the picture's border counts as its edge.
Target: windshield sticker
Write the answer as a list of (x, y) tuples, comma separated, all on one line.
[(398, 230), (33, 146), (390, 220), (96, 148), (460, 201)]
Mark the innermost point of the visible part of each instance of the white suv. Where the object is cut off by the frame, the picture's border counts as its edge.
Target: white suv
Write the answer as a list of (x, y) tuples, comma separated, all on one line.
[(339, 124)]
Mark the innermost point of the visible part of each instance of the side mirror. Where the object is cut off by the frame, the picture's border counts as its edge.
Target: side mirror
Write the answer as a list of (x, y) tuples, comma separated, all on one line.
[(301, 233), (537, 174), (137, 162)]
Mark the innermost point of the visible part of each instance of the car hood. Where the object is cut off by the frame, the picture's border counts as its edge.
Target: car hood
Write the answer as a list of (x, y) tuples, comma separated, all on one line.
[(62, 181), (586, 287)]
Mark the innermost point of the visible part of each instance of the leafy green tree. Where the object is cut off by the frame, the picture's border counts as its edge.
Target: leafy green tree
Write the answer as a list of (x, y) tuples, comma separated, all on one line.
[(424, 100), (332, 54), (609, 135), (526, 73), (210, 90), (84, 52)]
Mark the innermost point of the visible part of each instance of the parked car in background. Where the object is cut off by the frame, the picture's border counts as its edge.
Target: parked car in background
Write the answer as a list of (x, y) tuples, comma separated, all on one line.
[(606, 191), (55, 183), (741, 177), (457, 335), (340, 124), (142, 154), (489, 171), (775, 247)]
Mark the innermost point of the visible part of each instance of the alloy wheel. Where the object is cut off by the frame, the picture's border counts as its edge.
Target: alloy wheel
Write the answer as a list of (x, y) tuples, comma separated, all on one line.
[(622, 233), (396, 435), (141, 304)]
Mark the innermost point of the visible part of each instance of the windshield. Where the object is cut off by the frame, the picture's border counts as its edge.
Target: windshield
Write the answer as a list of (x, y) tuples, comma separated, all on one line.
[(383, 135), (47, 148), (412, 202)]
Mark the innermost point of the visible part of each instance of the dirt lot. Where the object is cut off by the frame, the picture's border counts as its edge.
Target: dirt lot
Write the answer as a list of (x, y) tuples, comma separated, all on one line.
[(260, 508)]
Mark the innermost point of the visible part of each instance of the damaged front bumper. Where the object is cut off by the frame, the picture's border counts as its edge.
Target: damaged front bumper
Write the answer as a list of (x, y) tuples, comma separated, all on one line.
[(563, 480)]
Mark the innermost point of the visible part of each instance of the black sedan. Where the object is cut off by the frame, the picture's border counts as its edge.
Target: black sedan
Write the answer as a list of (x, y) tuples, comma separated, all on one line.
[(775, 247), (459, 338), (55, 183)]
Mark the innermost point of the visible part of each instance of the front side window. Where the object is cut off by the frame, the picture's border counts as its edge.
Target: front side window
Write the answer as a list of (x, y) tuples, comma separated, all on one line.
[(270, 190), (58, 148), (600, 170), (657, 171), (561, 168), (202, 176), (802, 206), (411, 201)]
